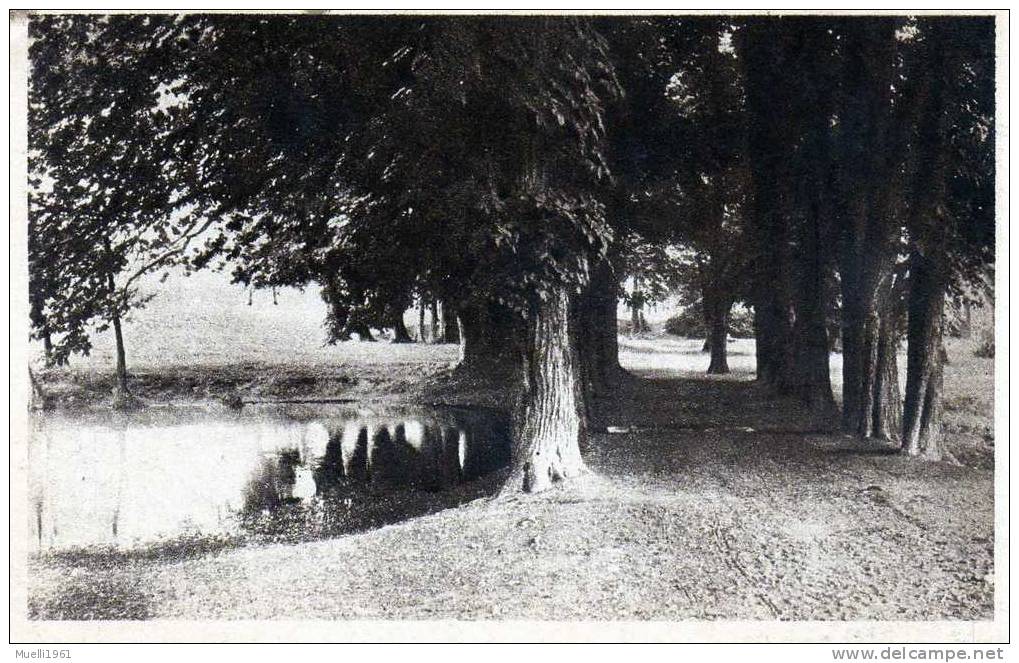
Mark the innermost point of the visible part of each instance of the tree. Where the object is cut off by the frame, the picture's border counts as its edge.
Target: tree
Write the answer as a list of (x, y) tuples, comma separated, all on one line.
[(681, 155), (518, 221), (653, 270), (103, 211), (598, 327), (789, 153), (950, 220), (450, 326), (710, 97), (868, 164)]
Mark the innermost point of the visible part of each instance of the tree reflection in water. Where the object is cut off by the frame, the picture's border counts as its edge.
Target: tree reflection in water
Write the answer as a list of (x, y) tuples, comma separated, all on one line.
[(370, 463), (306, 470)]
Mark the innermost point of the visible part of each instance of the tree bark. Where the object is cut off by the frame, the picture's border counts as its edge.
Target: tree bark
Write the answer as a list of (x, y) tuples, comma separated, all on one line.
[(928, 225), (812, 256), (121, 393), (716, 317), (118, 334), (549, 420), (433, 307), (763, 47), (966, 324), (871, 399), (866, 170), (47, 346), (400, 333), (363, 332), (810, 370), (635, 306), (450, 327), (38, 399), (490, 338), (886, 411), (719, 337), (772, 336), (789, 161), (922, 430), (598, 330)]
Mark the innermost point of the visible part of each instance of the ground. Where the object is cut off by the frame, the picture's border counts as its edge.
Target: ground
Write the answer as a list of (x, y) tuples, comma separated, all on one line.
[(705, 499)]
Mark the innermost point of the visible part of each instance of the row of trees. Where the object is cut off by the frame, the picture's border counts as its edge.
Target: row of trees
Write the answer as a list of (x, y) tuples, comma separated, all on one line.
[(518, 170)]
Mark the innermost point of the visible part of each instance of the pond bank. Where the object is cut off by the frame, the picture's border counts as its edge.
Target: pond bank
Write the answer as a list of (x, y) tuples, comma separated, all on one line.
[(685, 517), (666, 527)]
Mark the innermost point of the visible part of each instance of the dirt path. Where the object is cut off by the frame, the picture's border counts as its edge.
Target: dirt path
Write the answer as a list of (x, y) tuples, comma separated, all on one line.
[(720, 507)]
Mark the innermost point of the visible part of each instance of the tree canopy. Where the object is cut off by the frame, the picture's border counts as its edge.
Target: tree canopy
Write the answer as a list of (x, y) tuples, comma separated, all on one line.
[(518, 169)]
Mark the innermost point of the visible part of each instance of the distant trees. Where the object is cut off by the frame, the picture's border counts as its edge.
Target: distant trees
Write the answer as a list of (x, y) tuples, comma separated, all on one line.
[(711, 209)]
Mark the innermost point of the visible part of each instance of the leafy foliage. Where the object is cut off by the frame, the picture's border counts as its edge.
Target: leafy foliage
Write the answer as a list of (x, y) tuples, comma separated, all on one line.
[(690, 323), (504, 117), (103, 210)]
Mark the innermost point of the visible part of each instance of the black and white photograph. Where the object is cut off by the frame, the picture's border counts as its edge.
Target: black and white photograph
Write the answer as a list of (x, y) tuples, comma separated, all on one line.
[(629, 326)]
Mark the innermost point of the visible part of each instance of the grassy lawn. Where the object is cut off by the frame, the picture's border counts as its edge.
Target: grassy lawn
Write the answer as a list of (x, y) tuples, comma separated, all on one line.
[(710, 500)]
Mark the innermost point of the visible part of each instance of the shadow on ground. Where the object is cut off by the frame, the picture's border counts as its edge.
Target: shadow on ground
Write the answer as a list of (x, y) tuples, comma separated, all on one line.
[(714, 500)]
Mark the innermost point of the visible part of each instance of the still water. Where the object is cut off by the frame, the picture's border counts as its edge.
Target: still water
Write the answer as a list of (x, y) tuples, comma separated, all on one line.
[(130, 479)]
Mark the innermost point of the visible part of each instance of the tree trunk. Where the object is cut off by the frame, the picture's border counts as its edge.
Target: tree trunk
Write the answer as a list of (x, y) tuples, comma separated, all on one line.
[(928, 225), (490, 338), (450, 327), (400, 333), (886, 411), (716, 317), (966, 324), (433, 307), (809, 367), (859, 354), (764, 50), (812, 256), (635, 306), (865, 182), (421, 321), (38, 399), (549, 422), (719, 337), (47, 346), (118, 334), (598, 330), (811, 371), (120, 392), (871, 400), (789, 162), (363, 332), (772, 337), (922, 431)]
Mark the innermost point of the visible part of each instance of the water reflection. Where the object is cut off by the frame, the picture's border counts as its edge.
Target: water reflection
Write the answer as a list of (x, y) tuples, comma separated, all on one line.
[(378, 454), (130, 479)]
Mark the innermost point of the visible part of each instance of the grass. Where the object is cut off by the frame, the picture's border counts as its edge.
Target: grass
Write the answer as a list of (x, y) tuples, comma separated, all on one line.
[(716, 501)]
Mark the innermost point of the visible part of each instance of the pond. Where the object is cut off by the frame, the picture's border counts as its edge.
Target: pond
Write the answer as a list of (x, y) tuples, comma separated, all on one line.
[(126, 480)]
